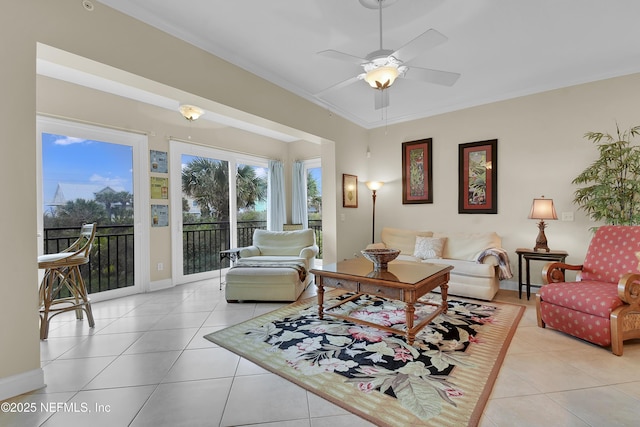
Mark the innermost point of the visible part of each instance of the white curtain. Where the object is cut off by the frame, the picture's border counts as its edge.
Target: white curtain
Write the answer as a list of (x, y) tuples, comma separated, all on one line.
[(299, 196), (276, 214)]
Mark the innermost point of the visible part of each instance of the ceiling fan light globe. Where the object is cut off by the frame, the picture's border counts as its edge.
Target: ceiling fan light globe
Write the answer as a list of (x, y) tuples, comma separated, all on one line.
[(191, 112), (381, 77)]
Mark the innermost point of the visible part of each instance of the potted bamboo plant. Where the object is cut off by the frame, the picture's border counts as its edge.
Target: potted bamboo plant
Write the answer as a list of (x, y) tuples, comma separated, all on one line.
[(610, 186)]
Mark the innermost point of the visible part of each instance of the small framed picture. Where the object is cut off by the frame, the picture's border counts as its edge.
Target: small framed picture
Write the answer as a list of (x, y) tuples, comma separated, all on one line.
[(349, 191), (159, 187), (158, 161), (478, 177), (159, 215), (417, 182)]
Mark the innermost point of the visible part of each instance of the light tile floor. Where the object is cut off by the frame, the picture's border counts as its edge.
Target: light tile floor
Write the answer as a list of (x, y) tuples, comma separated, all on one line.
[(146, 363)]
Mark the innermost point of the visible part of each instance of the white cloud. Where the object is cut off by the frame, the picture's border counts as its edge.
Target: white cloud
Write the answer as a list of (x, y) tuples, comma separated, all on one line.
[(69, 140), (116, 184)]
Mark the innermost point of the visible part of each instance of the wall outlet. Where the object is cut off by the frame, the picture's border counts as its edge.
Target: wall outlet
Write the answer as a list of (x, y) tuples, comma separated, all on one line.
[(567, 216), (160, 266)]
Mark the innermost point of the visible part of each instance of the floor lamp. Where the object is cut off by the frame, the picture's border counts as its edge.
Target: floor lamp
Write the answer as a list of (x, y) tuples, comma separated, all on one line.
[(374, 186)]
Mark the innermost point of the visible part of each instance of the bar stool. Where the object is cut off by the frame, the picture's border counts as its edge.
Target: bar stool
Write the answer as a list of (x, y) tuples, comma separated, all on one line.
[(62, 271)]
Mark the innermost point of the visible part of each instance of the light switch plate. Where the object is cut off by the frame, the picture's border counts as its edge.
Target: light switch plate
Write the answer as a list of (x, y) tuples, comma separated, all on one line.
[(567, 216)]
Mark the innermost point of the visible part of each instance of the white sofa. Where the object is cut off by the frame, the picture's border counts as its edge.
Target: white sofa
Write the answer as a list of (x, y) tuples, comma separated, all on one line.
[(478, 260), (271, 268)]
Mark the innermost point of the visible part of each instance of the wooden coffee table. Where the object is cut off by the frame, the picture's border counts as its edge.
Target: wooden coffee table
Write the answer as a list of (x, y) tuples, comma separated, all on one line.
[(405, 282)]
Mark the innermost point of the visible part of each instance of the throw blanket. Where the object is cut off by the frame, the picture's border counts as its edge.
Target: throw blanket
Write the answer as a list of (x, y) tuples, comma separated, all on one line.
[(503, 261), (299, 266)]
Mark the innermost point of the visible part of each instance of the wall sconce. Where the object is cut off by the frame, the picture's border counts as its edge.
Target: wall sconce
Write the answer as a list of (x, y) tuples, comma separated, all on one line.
[(374, 186), (542, 209), (191, 112)]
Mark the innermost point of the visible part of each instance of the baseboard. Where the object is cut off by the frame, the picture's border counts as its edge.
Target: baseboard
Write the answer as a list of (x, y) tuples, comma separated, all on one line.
[(509, 285), (21, 383), (160, 284)]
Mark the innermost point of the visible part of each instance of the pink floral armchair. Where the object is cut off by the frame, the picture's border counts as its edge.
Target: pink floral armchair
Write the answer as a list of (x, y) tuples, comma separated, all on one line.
[(603, 305)]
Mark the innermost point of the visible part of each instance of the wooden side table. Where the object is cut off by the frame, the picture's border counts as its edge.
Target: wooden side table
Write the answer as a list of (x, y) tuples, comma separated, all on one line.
[(529, 255), (232, 255)]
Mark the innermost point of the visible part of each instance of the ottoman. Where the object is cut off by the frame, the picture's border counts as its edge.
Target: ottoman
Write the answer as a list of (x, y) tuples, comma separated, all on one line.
[(263, 284)]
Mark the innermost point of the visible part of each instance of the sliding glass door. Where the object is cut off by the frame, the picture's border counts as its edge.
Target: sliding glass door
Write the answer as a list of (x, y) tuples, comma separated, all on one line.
[(221, 199), (92, 174), (205, 212)]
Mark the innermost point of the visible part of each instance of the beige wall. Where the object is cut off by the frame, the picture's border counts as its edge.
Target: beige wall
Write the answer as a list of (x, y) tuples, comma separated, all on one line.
[(540, 147), (540, 150), (19, 334), (109, 38)]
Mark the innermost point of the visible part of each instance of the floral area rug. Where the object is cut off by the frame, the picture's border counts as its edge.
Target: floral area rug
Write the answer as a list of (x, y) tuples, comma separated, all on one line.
[(444, 378)]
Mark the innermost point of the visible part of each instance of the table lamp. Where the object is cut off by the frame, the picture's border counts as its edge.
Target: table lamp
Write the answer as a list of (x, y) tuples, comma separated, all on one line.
[(542, 209)]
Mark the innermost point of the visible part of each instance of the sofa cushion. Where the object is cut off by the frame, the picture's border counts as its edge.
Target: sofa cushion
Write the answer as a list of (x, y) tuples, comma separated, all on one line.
[(410, 258), (467, 246), (466, 268), (596, 298), (428, 247), (403, 240)]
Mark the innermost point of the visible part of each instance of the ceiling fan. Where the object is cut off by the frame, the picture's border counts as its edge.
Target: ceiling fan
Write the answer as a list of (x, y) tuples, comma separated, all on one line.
[(383, 66)]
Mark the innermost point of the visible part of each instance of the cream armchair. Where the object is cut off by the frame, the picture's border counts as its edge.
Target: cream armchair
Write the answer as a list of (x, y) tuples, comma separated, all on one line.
[(274, 268), (282, 246)]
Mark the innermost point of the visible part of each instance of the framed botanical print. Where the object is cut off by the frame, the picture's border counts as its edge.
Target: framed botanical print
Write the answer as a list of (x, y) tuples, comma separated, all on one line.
[(349, 191), (478, 177), (417, 182)]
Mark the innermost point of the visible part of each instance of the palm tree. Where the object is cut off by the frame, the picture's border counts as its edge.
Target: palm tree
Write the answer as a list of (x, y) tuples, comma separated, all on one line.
[(207, 182), (250, 187)]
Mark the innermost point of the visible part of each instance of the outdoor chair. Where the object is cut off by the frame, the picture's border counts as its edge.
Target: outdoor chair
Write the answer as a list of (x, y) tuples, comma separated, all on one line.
[(603, 305), (62, 275)]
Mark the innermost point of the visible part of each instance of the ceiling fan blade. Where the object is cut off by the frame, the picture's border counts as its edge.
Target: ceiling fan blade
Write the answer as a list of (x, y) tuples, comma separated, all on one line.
[(339, 85), (341, 56), (427, 40), (381, 99), (444, 78)]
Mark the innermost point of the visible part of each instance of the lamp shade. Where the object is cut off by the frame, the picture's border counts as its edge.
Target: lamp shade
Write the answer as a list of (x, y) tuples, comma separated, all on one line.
[(543, 209), (374, 185), (382, 76)]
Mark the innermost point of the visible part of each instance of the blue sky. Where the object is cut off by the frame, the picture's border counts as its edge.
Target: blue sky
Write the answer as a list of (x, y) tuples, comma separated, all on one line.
[(316, 173), (64, 160)]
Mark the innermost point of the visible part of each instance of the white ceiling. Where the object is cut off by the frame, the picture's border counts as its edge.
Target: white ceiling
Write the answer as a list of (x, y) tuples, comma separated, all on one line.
[(502, 48)]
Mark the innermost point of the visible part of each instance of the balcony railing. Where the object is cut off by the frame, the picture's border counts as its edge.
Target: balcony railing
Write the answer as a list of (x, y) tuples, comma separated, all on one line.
[(111, 263), (203, 241)]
